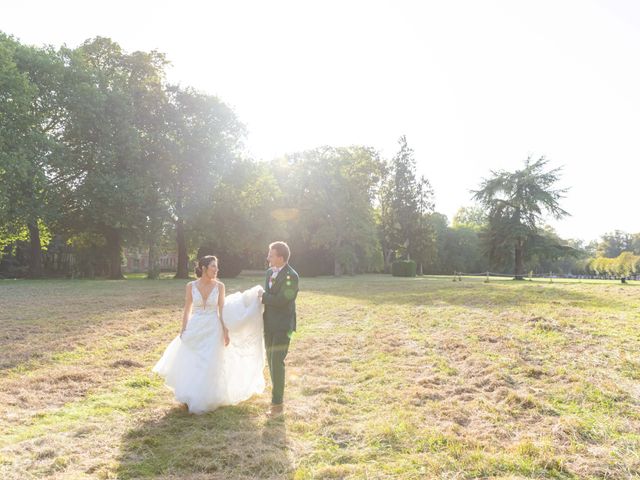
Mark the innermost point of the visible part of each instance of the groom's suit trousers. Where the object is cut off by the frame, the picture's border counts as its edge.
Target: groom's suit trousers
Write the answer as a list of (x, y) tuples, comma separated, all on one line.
[(279, 316), (276, 345)]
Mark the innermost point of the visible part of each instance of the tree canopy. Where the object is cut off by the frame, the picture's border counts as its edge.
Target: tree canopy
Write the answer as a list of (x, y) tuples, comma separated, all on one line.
[(98, 153), (516, 202)]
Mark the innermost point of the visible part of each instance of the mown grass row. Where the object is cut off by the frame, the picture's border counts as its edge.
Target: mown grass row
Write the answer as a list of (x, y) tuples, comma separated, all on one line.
[(387, 378)]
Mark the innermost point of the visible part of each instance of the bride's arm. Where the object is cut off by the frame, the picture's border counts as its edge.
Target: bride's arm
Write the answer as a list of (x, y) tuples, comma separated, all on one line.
[(221, 293), (188, 302)]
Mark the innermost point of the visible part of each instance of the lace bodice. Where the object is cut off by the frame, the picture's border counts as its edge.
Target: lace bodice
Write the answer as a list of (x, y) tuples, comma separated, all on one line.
[(199, 305)]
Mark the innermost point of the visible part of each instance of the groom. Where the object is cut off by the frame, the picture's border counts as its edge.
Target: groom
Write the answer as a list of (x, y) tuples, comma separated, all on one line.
[(279, 299)]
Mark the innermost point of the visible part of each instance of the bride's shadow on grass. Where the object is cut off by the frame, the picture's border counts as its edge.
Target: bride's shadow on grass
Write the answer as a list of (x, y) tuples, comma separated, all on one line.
[(232, 443)]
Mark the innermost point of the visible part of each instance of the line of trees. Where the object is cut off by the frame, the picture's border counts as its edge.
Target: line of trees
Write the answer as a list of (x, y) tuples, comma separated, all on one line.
[(624, 265), (98, 152), (617, 254), (97, 149)]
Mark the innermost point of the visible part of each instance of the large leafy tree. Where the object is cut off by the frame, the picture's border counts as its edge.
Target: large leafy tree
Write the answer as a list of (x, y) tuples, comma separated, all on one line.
[(474, 218), (150, 121), (614, 243), (204, 139), (238, 225), (108, 188), (516, 202), (31, 118), (331, 191), (15, 98), (459, 245)]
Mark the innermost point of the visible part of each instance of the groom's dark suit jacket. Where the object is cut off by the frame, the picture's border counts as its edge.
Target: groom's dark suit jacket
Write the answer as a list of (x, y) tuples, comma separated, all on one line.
[(280, 301)]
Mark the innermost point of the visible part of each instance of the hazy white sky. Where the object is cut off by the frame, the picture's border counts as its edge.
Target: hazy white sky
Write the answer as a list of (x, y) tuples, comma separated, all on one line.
[(475, 85)]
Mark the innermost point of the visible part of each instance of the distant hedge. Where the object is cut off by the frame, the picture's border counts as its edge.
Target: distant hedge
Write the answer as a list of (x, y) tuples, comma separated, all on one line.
[(403, 268)]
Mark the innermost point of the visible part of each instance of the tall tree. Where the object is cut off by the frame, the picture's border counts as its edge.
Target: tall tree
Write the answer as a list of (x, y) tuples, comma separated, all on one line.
[(108, 192), (31, 116), (516, 202), (404, 203), (239, 221), (150, 121), (424, 244), (15, 99), (332, 189), (205, 138), (440, 226)]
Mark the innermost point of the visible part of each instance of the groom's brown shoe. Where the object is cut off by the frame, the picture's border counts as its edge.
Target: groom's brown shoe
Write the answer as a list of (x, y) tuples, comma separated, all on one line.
[(275, 410)]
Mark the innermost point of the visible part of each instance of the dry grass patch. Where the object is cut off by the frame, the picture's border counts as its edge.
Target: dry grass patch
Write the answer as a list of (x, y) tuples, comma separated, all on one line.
[(387, 378)]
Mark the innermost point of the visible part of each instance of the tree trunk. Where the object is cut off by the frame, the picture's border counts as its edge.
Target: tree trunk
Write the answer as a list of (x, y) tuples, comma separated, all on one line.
[(35, 251), (519, 260), (183, 261), (387, 261), (114, 248), (337, 268), (153, 270)]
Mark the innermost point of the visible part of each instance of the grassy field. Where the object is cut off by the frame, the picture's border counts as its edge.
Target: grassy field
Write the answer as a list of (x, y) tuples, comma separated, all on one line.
[(387, 378)]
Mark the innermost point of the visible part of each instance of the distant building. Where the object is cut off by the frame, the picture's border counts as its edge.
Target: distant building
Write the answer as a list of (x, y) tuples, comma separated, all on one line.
[(136, 260)]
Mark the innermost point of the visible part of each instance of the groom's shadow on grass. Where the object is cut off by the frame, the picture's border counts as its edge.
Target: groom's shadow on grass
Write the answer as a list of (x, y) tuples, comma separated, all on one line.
[(231, 443)]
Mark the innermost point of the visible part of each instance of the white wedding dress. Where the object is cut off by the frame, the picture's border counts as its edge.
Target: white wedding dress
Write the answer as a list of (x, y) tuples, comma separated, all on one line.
[(200, 370)]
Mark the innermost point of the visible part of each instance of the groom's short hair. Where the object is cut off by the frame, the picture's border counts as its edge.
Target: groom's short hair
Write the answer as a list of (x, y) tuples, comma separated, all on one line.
[(282, 249)]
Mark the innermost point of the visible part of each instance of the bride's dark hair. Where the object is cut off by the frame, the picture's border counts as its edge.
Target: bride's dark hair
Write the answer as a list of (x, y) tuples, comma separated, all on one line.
[(203, 263)]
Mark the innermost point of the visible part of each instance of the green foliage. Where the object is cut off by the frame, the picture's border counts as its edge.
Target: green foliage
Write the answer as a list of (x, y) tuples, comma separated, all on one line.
[(623, 265), (108, 134), (460, 250), (474, 218), (328, 194), (403, 268), (613, 244), (203, 140), (546, 251), (96, 149), (617, 254), (515, 203), (30, 119), (235, 224), (405, 203)]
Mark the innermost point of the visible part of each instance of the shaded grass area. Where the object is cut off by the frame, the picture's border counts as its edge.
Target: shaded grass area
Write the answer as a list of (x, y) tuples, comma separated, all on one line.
[(387, 378)]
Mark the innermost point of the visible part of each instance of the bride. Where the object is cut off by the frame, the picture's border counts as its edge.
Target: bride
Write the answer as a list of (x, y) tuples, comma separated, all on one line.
[(218, 358)]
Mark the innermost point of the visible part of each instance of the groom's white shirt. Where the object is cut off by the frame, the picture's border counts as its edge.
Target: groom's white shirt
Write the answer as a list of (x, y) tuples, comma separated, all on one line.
[(274, 274)]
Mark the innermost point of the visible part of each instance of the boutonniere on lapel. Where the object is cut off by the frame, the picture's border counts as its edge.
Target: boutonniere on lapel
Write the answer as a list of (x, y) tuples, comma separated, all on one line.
[(288, 280)]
